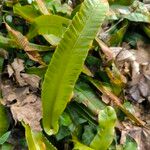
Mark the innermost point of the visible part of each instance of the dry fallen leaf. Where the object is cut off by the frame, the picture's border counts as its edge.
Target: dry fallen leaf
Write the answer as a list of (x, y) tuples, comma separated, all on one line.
[(22, 99), (29, 113), (136, 64), (106, 50), (139, 134), (139, 86), (3, 53), (22, 78), (31, 79), (15, 68), (143, 53), (10, 70), (22, 103), (23, 43)]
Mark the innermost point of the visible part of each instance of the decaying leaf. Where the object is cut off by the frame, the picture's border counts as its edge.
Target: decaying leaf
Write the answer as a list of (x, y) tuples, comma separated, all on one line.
[(10, 93), (139, 88), (105, 49), (23, 43), (140, 135), (136, 64), (116, 101), (142, 53), (23, 101), (17, 69), (3, 53), (30, 113), (31, 79), (42, 7)]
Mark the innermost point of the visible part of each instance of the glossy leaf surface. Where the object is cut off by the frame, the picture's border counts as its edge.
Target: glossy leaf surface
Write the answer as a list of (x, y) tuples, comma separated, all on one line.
[(106, 119), (69, 58)]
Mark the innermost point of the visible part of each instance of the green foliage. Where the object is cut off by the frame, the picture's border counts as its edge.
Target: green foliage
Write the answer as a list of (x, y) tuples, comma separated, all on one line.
[(7, 146), (116, 37), (80, 146), (72, 50), (146, 29), (88, 134), (46, 30), (138, 17), (48, 24), (28, 12), (107, 119), (121, 2), (84, 94), (56, 6), (37, 140), (4, 137), (4, 121), (130, 144), (1, 63)]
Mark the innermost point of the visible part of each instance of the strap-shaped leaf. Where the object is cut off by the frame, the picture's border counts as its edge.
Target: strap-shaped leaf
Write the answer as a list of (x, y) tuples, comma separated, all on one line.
[(80, 146), (28, 12), (37, 140), (11, 43), (48, 24), (68, 59), (106, 119), (84, 94)]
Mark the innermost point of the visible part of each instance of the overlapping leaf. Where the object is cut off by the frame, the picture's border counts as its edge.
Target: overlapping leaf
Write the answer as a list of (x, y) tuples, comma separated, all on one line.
[(69, 58), (22, 42), (36, 140), (49, 24), (107, 119)]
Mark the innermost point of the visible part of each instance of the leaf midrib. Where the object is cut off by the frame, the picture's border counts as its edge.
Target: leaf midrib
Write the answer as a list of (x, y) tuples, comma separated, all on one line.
[(68, 60)]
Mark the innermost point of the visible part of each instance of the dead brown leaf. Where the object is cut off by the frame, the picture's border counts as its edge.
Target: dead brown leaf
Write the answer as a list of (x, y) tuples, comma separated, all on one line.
[(139, 86), (31, 79), (23, 43), (16, 69), (136, 65), (143, 53), (139, 134), (23, 101), (24, 105), (11, 93), (3, 53), (29, 113), (108, 53)]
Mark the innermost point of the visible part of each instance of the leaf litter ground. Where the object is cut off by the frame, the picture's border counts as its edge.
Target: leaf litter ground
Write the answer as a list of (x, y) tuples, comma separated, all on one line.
[(124, 62)]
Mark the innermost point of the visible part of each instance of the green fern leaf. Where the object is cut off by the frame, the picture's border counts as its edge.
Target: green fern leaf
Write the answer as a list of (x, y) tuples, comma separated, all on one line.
[(36, 140), (68, 60), (105, 135)]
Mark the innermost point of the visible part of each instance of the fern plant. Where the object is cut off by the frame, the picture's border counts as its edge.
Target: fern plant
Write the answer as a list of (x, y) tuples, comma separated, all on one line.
[(67, 61)]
